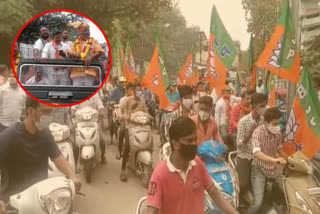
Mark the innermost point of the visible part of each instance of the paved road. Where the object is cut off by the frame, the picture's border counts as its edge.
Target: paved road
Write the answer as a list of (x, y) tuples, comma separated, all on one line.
[(106, 193)]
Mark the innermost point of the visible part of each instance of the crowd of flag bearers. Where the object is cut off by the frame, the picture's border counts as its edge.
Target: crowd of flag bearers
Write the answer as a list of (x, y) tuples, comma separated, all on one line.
[(246, 117)]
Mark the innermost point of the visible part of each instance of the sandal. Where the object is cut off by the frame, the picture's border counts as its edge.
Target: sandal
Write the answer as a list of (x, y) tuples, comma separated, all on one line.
[(123, 177)]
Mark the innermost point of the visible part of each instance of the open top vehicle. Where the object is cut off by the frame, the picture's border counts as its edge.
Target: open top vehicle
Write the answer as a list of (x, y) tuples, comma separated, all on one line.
[(51, 80)]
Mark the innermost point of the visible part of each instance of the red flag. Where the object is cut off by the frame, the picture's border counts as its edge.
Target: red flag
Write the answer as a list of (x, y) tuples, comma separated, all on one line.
[(153, 79)]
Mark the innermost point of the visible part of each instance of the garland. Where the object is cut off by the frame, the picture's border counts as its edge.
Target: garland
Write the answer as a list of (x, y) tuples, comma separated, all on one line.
[(16, 62), (85, 51)]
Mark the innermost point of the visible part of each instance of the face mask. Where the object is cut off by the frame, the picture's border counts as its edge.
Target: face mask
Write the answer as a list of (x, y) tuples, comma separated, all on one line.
[(139, 94), (188, 152), (43, 122), (319, 94), (261, 111), (204, 115), (274, 129), (187, 103)]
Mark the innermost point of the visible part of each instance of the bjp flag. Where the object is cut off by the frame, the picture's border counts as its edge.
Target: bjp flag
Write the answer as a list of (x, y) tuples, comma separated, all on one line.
[(221, 53), (156, 77), (303, 128), (187, 73), (281, 55)]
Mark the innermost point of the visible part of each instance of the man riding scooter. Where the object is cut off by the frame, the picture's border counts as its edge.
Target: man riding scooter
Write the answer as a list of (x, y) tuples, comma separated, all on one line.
[(132, 105), (96, 104), (24, 151)]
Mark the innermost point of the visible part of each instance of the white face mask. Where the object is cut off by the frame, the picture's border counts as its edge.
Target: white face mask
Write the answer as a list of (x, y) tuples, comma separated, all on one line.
[(187, 102), (139, 94), (274, 129), (204, 115), (319, 95)]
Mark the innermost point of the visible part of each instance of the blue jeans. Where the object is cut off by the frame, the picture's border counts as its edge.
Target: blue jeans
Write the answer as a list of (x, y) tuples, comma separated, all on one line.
[(258, 183)]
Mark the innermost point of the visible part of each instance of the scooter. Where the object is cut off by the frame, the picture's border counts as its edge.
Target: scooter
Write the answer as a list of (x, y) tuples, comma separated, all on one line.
[(296, 191), (224, 176), (141, 145), (61, 134), (142, 205), (88, 139), (53, 195)]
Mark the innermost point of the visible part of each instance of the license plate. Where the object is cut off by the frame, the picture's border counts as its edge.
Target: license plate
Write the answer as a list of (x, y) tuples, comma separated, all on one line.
[(314, 191)]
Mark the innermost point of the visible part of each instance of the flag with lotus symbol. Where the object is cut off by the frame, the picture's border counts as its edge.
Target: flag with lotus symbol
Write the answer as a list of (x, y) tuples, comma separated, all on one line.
[(303, 127)]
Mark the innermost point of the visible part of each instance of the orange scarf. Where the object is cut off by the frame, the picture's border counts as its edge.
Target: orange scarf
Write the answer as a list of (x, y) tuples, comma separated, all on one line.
[(54, 44)]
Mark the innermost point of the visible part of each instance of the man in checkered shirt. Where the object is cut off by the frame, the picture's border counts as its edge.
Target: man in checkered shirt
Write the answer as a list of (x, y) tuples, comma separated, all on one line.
[(268, 156), (246, 126)]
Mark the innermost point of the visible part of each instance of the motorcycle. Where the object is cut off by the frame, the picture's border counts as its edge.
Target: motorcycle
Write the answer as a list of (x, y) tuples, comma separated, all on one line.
[(53, 195), (61, 134), (166, 121), (88, 139), (142, 205), (141, 145), (224, 176), (113, 118), (296, 190)]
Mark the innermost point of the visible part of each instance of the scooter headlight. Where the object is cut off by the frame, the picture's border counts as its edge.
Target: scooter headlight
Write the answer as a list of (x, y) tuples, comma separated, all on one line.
[(303, 204), (59, 201)]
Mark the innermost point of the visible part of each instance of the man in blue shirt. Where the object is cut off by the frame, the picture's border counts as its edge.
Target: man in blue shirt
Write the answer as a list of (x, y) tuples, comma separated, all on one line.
[(119, 91), (172, 93)]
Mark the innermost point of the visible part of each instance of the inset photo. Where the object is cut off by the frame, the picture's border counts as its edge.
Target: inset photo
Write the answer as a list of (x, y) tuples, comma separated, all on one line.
[(61, 58)]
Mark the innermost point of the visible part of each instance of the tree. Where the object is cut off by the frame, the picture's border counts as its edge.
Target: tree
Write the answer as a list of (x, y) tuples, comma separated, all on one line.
[(56, 20), (103, 12), (262, 17)]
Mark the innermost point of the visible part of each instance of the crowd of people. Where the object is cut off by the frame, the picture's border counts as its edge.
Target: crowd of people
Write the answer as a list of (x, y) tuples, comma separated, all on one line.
[(240, 120)]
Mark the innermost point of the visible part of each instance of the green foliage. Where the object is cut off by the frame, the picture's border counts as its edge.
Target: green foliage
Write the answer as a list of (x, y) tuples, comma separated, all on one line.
[(262, 17), (56, 20)]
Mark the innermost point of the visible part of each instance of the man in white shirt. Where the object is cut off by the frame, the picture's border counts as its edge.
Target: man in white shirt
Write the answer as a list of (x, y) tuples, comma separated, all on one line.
[(41, 42), (12, 103), (38, 78), (223, 111), (56, 50), (65, 39), (95, 103), (260, 87)]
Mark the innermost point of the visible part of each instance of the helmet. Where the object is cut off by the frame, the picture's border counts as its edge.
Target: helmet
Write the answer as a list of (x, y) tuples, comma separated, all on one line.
[(122, 79)]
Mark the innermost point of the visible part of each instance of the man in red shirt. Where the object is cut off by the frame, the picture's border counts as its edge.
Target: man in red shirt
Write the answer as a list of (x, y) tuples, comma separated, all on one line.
[(178, 183), (238, 111), (207, 128)]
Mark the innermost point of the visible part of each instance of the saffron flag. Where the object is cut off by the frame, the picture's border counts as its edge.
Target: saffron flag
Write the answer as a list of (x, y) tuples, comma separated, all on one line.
[(281, 56), (221, 53), (130, 58), (302, 132), (155, 79), (187, 73), (129, 75), (117, 64)]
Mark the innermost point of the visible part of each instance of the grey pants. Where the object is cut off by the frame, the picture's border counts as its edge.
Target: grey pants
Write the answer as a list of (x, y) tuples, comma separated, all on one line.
[(258, 180), (87, 80)]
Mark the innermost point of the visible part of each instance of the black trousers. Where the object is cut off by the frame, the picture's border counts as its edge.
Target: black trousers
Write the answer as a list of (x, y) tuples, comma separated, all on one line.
[(244, 172), (125, 149)]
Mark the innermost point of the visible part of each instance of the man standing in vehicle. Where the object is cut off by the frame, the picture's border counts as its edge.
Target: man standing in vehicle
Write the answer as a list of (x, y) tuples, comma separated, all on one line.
[(25, 148), (56, 50), (132, 105), (41, 42), (65, 39), (178, 183), (87, 49)]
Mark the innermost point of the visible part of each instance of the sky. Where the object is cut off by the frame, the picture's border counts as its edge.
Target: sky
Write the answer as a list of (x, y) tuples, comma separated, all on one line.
[(198, 13), (96, 33)]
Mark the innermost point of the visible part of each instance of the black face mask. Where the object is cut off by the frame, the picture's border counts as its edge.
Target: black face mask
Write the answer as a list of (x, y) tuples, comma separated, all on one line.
[(188, 152)]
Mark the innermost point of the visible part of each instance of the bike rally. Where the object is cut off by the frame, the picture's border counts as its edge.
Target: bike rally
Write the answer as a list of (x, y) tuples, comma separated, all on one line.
[(88, 127)]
